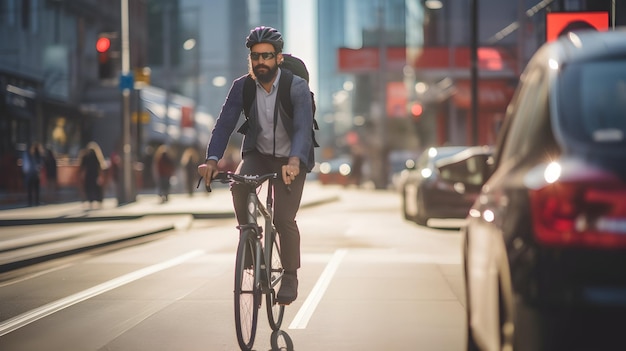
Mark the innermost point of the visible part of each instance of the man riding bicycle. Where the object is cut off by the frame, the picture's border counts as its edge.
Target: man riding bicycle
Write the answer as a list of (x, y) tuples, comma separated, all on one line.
[(274, 142)]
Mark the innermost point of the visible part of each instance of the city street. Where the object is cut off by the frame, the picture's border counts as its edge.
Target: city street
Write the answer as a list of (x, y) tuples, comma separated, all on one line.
[(369, 281)]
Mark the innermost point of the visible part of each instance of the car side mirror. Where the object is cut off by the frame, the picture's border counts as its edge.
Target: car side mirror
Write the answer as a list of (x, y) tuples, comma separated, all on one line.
[(472, 171)]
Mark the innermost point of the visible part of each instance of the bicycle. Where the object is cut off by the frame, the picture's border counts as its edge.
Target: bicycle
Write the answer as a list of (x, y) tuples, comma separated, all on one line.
[(253, 277)]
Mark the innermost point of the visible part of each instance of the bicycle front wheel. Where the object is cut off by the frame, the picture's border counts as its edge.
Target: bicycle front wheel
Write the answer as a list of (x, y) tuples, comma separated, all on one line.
[(247, 291), (275, 311)]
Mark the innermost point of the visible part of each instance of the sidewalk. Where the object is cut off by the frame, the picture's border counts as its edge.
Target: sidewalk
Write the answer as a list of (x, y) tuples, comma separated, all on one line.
[(71, 227), (217, 204)]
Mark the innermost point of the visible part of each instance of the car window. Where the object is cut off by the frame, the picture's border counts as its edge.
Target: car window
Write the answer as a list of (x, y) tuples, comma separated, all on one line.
[(528, 110), (422, 161), (593, 101)]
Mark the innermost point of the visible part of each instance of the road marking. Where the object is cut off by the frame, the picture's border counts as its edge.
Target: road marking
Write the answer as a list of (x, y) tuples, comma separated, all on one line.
[(305, 312), (55, 306)]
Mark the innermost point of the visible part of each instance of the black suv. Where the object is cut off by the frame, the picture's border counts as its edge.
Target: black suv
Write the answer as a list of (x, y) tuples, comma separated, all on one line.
[(545, 243)]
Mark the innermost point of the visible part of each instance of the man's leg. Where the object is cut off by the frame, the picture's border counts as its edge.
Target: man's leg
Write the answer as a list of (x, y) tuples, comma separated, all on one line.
[(286, 205)]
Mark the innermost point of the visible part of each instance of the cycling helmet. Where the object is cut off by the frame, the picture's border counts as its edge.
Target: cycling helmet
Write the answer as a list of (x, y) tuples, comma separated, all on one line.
[(265, 35)]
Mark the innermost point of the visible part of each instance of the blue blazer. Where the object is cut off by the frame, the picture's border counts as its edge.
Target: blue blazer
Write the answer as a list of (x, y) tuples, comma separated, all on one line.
[(299, 127)]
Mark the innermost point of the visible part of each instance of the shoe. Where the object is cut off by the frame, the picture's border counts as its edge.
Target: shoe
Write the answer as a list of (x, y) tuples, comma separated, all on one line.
[(288, 289)]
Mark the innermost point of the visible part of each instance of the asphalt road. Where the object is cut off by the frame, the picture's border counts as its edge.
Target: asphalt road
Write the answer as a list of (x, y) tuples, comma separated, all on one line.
[(369, 281)]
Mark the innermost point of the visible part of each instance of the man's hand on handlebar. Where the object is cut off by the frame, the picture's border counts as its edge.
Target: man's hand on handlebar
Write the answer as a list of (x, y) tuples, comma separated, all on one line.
[(208, 171), (291, 170)]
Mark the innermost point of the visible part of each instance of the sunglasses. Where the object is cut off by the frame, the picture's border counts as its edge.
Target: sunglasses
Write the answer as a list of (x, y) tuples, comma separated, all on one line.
[(254, 56)]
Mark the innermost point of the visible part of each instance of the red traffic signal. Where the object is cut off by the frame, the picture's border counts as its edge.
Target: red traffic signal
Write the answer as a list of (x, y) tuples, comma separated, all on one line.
[(103, 44), (108, 53), (417, 109)]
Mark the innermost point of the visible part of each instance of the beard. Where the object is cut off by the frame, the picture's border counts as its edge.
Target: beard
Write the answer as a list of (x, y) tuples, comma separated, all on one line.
[(266, 77)]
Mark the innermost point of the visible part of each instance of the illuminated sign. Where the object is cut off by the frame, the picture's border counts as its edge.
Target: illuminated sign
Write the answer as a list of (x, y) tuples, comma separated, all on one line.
[(559, 23)]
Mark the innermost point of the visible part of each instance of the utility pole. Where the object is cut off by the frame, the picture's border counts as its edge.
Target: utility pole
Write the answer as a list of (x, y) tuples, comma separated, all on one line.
[(474, 69), (126, 84), (167, 65), (613, 14), (381, 176)]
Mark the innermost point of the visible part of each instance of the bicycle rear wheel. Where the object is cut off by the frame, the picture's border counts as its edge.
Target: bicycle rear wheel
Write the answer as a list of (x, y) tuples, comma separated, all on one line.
[(275, 311), (247, 291)]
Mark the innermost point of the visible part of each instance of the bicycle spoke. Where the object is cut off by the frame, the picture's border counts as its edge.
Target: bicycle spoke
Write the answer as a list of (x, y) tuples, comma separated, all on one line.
[(275, 311), (246, 303), (247, 294)]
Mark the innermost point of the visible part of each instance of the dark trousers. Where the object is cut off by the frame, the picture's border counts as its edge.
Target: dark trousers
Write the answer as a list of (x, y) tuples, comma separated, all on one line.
[(286, 204), (32, 188)]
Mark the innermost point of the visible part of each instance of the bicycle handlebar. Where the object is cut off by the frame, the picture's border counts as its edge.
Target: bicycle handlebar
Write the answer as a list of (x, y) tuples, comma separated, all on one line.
[(253, 180), (226, 177)]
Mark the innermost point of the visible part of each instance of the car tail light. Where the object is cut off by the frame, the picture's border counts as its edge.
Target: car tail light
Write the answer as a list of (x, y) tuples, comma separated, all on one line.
[(580, 213)]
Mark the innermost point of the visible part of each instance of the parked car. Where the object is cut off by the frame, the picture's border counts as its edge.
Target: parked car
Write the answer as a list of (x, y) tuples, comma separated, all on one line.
[(336, 171), (399, 162), (444, 183), (544, 248)]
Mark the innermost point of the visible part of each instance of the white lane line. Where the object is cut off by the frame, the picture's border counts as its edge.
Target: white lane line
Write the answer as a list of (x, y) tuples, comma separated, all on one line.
[(46, 310), (305, 312)]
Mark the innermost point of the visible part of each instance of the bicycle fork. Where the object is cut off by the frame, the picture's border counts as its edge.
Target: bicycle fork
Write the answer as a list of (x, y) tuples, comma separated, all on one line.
[(256, 231)]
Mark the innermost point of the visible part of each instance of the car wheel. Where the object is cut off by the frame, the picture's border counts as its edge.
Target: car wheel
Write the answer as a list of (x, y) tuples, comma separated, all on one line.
[(528, 323), (470, 343), (405, 212), (505, 328), (420, 217)]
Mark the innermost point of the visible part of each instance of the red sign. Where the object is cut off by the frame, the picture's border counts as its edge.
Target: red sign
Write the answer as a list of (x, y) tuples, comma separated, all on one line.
[(489, 58), (367, 59), (491, 94), (559, 23)]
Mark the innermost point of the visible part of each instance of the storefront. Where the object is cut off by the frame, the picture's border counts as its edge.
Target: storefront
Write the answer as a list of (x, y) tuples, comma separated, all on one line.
[(497, 80), (493, 97), (18, 125)]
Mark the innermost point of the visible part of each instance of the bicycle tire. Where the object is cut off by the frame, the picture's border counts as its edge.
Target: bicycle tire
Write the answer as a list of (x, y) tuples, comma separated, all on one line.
[(247, 292), (275, 312)]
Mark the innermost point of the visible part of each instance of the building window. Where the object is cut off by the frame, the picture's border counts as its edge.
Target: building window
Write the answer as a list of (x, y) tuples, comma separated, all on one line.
[(25, 13), (8, 13), (34, 14)]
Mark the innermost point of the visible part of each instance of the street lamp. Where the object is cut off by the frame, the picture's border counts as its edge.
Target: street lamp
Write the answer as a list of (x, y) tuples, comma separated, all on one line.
[(433, 4), (189, 45)]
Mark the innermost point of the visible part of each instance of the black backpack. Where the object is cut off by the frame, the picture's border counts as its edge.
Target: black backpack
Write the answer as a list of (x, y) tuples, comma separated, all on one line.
[(290, 66)]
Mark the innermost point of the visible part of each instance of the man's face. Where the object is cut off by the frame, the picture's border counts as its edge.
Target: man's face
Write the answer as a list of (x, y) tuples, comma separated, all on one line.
[(264, 62)]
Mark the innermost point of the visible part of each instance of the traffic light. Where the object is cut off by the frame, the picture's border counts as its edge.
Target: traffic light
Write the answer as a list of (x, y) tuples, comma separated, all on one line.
[(108, 55), (416, 110)]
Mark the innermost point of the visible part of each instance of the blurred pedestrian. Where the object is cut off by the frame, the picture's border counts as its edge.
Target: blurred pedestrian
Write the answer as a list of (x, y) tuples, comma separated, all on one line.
[(189, 162), (50, 167), (31, 167), (92, 166), (164, 171), (358, 158), (115, 172)]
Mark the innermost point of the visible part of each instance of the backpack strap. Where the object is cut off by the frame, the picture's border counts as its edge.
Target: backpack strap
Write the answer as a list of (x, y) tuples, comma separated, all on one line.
[(284, 91)]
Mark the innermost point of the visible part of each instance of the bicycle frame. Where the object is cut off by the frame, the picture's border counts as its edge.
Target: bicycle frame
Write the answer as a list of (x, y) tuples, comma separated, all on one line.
[(267, 266), (256, 207)]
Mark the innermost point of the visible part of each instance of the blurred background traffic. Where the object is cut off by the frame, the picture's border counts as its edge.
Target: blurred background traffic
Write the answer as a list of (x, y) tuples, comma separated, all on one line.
[(392, 78)]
